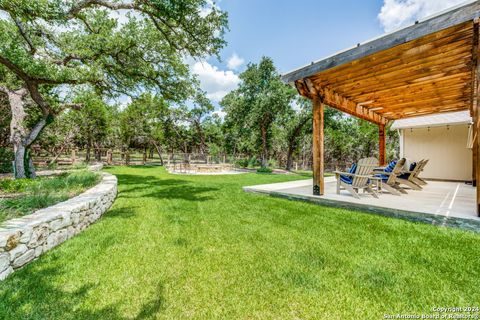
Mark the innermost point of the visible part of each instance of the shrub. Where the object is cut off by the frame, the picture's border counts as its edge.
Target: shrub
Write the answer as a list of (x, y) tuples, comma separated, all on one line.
[(253, 162), (15, 186), (264, 170), (6, 158), (272, 163), (243, 163)]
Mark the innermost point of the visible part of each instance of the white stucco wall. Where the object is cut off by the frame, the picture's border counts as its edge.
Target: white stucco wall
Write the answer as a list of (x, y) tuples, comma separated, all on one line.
[(450, 159)]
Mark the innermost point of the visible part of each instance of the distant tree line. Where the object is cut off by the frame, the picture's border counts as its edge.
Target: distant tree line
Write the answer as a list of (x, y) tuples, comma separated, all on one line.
[(266, 123)]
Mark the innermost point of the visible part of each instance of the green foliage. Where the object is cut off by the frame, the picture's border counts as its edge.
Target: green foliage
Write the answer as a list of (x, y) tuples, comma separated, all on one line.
[(43, 192), (264, 170), (260, 99), (50, 48), (15, 186), (6, 158), (243, 163), (253, 162)]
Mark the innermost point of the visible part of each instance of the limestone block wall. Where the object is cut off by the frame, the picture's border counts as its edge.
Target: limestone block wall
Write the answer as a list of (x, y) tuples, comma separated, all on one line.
[(25, 239)]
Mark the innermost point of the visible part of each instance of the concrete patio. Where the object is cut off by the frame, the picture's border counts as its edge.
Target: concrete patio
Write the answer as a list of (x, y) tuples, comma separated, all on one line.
[(440, 203)]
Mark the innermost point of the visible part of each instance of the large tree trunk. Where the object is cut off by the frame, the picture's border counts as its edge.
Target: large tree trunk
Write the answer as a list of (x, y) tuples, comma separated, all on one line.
[(87, 153), (20, 136), (290, 157)]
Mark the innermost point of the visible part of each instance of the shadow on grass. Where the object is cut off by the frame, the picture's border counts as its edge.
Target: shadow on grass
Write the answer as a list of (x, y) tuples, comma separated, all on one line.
[(36, 292), (123, 213), (162, 188), (183, 193)]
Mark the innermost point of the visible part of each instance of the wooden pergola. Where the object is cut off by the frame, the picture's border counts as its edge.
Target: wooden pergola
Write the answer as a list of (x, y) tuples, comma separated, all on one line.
[(429, 67)]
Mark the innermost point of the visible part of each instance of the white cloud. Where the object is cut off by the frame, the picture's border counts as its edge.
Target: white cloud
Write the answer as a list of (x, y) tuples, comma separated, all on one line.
[(400, 13), (220, 113), (217, 83), (235, 62)]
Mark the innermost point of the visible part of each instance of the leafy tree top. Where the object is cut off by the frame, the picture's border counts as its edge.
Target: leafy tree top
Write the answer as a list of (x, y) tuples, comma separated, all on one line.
[(49, 43)]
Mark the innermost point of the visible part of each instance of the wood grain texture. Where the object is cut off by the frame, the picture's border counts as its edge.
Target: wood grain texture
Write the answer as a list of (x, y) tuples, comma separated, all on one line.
[(468, 12), (381, 145), (318, 147), (430, 74)]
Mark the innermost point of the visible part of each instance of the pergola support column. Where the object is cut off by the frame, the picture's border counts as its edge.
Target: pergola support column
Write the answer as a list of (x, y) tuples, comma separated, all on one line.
[(474, 151), (476, 109), (318, 146), (476, 148), (381, 144)]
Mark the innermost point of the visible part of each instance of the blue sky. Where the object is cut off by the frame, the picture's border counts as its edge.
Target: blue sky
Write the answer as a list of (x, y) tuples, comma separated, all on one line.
[(295, 32)]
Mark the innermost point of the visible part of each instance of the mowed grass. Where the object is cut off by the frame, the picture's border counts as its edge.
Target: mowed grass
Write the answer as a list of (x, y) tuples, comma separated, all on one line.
[(198, 247)]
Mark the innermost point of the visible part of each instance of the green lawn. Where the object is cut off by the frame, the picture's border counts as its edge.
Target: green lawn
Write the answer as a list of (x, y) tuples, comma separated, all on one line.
[(180, 247)]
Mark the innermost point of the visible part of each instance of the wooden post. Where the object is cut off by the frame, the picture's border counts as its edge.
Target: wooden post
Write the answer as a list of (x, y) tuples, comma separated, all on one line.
[(318, 183), (381, 144), (109, 157), (476, 108), (74, 156), (474, 151), (476, 144)]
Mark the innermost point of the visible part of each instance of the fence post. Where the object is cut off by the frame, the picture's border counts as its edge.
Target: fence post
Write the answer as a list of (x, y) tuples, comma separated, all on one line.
[(144, 157), (73, 157), (109, 157), (127, 158)]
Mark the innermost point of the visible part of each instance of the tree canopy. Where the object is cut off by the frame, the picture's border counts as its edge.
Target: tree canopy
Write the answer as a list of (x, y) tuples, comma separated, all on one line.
[(49, 46)]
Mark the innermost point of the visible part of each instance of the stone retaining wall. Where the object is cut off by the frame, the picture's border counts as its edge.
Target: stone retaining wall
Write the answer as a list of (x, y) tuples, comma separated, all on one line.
[(24, 239)]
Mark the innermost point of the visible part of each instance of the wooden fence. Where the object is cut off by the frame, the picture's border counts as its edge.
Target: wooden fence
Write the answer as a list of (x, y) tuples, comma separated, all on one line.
[(42, 158)]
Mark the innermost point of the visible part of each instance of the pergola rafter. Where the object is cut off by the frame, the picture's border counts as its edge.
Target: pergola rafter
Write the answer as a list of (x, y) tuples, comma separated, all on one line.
[(429, 67)]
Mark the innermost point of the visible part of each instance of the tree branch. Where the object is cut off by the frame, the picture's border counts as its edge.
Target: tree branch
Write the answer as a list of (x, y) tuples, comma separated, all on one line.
[(37, 97), (14, 68), (75, 106), (24, 35), (90, 3), (32, 136)]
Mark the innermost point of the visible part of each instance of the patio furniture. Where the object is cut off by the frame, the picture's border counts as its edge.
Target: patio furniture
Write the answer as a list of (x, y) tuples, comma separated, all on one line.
[(389, 175), (358, 177), (416, 177), (409, 178)]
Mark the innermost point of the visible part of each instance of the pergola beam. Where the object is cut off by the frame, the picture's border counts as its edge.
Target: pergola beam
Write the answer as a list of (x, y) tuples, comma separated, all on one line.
[(333, 99), (468, 12)]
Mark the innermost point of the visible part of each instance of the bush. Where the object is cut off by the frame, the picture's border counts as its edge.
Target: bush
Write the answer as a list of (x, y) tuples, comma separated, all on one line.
[(15, 186), (264, 170), (272, 163), (242, 163), (253, 162), (6, 158)]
